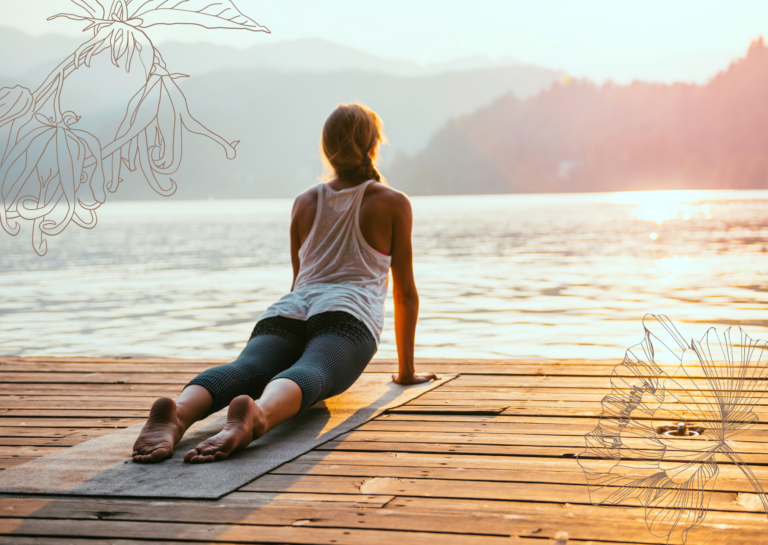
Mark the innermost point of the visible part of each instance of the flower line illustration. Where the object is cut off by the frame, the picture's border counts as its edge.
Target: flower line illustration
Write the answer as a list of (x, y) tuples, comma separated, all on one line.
[(642, 447), (53, 174)]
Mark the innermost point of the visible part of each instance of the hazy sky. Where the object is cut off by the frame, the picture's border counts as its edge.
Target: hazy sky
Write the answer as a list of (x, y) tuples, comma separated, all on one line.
[(617, 39)]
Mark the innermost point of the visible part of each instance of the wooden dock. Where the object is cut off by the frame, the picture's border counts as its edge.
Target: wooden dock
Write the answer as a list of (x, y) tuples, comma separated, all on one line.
[(488, 458)]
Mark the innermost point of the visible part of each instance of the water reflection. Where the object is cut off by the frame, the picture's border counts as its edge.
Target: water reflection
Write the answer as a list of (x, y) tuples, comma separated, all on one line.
[(661, 206), (499, 276), (675, 266)]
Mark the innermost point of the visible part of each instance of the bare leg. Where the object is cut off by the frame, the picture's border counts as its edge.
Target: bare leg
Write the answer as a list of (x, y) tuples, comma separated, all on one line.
[(167, 423), (248, 420)]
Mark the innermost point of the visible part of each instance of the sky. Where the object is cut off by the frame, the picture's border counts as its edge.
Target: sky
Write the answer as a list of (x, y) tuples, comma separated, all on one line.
[(669, 40)]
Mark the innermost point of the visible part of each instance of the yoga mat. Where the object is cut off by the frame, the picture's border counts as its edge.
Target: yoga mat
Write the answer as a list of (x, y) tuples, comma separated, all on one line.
[(102, 466)]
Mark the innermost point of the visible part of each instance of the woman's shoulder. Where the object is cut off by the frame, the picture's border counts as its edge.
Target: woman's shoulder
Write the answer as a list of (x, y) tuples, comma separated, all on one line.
[(388, 196), (307, 199)]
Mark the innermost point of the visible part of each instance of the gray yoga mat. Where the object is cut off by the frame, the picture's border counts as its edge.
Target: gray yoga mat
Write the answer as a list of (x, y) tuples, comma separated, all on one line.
[(102, 466)]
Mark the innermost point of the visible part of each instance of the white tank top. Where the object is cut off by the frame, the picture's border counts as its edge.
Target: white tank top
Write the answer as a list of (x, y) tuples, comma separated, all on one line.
[(338, 269)]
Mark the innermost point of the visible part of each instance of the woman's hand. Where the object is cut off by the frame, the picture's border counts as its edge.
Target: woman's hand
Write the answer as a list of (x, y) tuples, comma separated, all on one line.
[(415, 378)]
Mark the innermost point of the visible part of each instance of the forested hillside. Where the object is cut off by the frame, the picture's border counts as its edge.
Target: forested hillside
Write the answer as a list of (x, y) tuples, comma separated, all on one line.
[(578, 136)]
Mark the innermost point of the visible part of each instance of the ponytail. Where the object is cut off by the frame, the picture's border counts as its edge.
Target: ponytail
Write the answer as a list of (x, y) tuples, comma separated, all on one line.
[(349, 144)]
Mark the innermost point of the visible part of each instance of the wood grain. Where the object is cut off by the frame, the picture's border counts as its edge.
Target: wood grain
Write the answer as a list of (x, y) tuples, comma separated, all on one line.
[(488, 458)]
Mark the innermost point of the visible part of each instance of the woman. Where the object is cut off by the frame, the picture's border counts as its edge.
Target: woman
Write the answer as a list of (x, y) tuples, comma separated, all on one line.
[(316, 340)]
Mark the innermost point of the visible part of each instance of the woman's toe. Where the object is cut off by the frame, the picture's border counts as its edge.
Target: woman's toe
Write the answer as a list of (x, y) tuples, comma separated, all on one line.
[(190, 455)]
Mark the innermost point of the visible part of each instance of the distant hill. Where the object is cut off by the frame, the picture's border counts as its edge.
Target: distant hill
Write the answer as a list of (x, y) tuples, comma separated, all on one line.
[(278, 118), (274, 98), (313, 56), (20, 53), (577, 136), (29, 57)]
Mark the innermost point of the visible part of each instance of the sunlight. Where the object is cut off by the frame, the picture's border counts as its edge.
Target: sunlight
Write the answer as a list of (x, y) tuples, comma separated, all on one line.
[(674, 267), (661, 206)]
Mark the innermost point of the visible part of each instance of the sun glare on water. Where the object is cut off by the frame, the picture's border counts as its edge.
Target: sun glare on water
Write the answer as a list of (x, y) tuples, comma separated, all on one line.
[(660, 206)]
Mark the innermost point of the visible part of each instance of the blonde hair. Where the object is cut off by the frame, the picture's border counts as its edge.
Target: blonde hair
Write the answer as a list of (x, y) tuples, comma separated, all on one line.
[(350, 142)]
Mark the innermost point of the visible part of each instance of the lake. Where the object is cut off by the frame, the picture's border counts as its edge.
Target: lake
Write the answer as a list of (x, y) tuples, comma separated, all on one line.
[(499, 276)]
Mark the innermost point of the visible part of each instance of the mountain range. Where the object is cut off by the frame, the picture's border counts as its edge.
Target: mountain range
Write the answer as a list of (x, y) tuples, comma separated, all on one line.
[(273, 98), (578, 136)]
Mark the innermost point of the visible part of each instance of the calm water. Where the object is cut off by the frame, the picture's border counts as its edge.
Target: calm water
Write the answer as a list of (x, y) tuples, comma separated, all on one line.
[(566, 276)]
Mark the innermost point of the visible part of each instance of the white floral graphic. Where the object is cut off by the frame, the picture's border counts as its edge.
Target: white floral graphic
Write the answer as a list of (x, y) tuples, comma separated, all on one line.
[(665, 383), (53, 174)]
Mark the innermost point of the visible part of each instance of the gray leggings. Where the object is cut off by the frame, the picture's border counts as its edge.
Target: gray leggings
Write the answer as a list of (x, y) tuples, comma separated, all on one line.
[(324, 355)]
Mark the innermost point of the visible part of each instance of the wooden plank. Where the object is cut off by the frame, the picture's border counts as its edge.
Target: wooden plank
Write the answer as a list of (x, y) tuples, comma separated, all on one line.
[(520, 519), (47, 540), (667, 416), (99, 378), (69, 413), (250, 513), (77, 404), (14, 540), (475, 395), (542, 370), (528, 419), (533, 408), (436, 488), (141, 390), (520, 474), (233, 532), (106, 360), (589, 406), (506, 450), (499, 364), (693, 444), (83, 422), (559, 382), (100, 368), (354, 501), (104, 377), (444, 409), (602, 518), (24, 431), (13, 452), (42, 442), (501, 465), (759, 435)]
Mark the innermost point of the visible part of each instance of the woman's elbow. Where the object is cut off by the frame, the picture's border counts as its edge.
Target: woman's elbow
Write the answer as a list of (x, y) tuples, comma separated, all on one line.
[(409, 299)]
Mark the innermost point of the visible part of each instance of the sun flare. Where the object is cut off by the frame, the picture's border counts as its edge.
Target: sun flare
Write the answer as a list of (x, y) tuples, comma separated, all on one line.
[(660, 206)]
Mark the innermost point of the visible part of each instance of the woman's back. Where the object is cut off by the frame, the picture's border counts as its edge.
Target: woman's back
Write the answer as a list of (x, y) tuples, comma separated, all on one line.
[(378, 210), (335, 250), (335, 266)]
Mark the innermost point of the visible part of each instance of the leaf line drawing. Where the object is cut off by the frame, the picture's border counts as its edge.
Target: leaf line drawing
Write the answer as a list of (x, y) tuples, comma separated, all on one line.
[(640, 448), (53, 174)]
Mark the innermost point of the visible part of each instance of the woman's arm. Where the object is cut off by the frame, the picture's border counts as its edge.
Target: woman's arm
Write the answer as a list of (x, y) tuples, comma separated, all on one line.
[(295, 241), (404, 293), (302, 219)]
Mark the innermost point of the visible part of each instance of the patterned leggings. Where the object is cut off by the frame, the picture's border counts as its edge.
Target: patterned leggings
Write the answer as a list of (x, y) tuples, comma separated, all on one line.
[(324, 355)]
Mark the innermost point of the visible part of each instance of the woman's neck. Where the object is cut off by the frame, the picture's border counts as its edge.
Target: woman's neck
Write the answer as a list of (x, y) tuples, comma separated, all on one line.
[(338, 185)]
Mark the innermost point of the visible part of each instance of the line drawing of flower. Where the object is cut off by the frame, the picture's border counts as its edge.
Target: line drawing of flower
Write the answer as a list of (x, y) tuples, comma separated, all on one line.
[(53, 143), (151, 132), (47, 167), (714, 382)]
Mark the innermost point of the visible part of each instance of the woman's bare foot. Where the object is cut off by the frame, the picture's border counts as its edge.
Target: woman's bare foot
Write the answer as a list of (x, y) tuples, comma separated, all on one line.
[(159, 435), (245, 422)]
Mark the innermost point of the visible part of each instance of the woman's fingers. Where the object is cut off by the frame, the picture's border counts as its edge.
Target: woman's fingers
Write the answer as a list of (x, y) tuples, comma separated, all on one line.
[(418, 378)]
